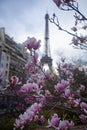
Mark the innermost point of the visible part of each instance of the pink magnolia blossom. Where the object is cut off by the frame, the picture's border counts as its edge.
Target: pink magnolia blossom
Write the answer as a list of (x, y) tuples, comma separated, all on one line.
[(68, 94), (66, 72), (67, 1), (35, 87), (18, 124), (65, 125), (60, 87), (29, 42), (36, 107), (36, 45), (42, 99), (41, 82), (54, 122), (36, 117), (32, 43), (83, 118), (30, 67), (49, 75), (58, 124), (77, 102), (57, 2), (26, 88), (29, 115), (83, 105), (30, 87)]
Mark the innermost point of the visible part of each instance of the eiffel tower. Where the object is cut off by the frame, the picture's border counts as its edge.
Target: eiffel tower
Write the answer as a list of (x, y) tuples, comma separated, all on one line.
[(46, 58)]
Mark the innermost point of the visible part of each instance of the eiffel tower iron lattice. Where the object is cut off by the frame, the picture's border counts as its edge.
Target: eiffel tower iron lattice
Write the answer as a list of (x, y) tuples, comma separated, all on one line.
[(46, 58)]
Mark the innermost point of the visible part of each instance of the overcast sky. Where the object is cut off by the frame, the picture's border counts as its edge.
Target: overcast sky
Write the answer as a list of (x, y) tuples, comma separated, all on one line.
[(23, 18)]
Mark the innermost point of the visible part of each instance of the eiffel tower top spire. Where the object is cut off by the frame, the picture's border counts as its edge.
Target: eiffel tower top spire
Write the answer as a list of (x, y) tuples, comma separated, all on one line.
[(47, 49), (46, 59)]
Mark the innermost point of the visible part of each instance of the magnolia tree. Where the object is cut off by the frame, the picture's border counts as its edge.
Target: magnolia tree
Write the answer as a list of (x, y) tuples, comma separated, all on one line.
[(53, 100), (79, 40)]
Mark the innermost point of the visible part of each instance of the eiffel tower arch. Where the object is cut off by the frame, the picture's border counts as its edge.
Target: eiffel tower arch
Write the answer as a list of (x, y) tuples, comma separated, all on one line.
[(46, 58)]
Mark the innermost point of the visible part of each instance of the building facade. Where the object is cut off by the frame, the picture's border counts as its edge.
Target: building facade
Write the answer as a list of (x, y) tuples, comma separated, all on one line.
[(12, 57)]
